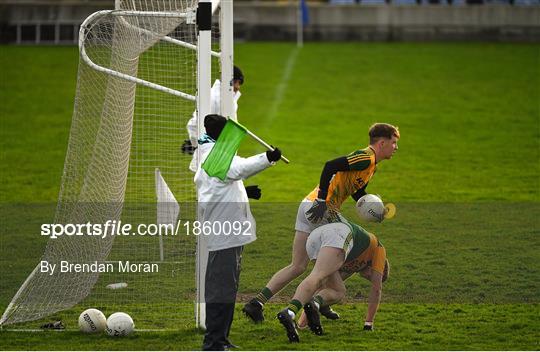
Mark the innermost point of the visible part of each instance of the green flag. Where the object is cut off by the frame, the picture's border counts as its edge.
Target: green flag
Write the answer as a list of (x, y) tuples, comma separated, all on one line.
[(219, 160)]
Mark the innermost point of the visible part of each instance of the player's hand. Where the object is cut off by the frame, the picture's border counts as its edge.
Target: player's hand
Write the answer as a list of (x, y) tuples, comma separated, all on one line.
[(332, 216), (253, 192), (273, 155), (317, 210), (187, 147), (368, 326)]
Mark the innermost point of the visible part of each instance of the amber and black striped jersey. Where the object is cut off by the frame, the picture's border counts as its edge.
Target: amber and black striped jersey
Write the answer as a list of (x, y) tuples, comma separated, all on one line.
[(367, 251), (345, 183)]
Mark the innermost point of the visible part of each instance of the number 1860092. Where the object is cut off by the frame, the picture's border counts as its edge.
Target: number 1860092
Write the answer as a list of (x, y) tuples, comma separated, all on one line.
[(221, 228)]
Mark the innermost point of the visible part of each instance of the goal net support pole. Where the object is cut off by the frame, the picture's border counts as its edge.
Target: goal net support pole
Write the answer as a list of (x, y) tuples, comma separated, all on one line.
[(204, 43)]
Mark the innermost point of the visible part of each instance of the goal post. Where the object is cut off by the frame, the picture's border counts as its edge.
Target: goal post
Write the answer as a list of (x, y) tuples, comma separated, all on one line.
[(203, 108), (144, 68)]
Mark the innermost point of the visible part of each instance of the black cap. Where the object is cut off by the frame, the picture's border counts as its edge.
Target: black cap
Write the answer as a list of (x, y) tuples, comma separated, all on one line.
[(238, 75), (214, 125)]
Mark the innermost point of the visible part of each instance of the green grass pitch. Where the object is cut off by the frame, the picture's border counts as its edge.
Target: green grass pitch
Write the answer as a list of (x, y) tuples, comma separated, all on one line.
[(464, 246)]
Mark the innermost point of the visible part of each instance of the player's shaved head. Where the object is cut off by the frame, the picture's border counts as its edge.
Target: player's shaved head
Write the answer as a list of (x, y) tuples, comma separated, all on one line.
[(382, 130)]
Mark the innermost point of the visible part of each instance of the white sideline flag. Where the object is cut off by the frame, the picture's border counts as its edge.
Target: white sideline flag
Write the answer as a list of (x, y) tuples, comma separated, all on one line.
[(168, 208)]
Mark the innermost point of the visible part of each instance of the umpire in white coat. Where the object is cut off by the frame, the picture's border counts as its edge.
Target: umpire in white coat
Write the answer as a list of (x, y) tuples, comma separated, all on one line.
[(190, 145), (222, 202)]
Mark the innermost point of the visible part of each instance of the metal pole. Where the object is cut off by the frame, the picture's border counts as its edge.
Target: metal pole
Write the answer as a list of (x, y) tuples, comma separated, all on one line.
[(56, 33), (299, 25), (204, 75), (19, 33), (259, 140), (38, 33), (227, 60)]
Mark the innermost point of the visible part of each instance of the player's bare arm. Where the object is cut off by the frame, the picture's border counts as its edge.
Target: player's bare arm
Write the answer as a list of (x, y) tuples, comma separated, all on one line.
[(374, 299)]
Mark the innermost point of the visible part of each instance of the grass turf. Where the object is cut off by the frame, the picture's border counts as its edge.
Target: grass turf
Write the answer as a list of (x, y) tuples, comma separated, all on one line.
[(400, 327), (464, 246)]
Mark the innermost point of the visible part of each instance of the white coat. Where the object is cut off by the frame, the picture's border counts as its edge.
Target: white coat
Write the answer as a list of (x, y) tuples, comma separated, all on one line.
[(215, 108), (226, 201)]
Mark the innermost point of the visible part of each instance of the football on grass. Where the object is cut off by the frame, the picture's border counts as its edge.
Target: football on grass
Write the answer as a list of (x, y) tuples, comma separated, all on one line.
[(120, 324), (370, 208), (92, 320)]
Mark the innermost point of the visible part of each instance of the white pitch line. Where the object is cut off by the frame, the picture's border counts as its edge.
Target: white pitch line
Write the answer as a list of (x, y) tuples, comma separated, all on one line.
[(282, 86), (37, 330), (156, 330), (60, 330)]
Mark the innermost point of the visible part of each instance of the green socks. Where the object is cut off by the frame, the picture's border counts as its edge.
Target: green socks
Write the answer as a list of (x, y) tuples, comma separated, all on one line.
[(264, 295), (295, 305)]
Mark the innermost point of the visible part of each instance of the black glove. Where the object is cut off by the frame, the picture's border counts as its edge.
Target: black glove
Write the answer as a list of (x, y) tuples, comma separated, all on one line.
[(368, 327), (317, 210), (273, 155), (253, 192), (187, 147)]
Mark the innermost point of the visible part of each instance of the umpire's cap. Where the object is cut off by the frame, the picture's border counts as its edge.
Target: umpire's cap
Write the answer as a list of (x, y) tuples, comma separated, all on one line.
[(238, 75), (213, 124)]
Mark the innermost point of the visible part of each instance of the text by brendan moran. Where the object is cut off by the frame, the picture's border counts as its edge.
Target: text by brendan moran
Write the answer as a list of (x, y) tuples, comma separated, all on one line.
[(97, 267)]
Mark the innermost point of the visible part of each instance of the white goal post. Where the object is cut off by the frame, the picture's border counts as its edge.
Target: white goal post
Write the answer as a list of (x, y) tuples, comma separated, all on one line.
[(143, 69)]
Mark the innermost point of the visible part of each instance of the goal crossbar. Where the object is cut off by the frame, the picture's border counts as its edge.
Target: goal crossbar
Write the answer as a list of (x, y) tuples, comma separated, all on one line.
[(167, 38), (88, 21)]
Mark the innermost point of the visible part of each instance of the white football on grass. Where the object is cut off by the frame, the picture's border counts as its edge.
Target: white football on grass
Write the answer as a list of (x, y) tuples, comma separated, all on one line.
[(92, 320), (120, 324)]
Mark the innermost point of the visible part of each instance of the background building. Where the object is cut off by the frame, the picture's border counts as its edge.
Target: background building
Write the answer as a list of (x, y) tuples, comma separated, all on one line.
[(57, 21)]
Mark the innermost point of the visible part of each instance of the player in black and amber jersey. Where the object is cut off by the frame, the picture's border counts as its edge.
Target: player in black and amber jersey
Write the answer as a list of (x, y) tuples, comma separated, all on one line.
[(342, 177)]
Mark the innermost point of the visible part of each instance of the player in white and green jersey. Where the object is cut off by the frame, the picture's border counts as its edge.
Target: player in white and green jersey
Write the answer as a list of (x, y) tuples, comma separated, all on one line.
[(337, 248), (329, 295)]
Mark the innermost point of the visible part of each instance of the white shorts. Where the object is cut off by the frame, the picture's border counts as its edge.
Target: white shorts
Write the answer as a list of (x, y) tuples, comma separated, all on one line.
[(302, 223), (337, 235)]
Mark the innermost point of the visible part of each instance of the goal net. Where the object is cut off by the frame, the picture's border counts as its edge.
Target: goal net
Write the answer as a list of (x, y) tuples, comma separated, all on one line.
[(137, 88)]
